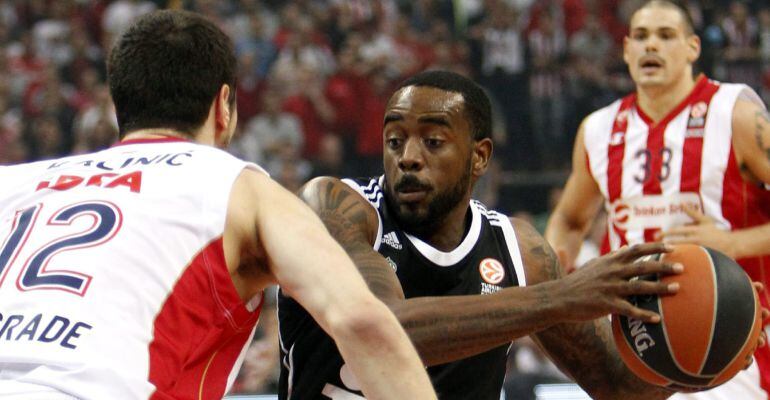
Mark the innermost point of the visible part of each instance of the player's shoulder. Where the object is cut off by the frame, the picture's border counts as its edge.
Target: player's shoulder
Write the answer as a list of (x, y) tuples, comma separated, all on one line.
[(607, 113), (599, 123), (539, 261)]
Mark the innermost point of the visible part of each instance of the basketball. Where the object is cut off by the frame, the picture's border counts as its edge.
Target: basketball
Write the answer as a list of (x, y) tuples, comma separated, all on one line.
[(708, 330)]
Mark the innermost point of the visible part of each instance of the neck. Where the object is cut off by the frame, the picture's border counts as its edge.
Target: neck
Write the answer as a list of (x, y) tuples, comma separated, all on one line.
[(450, 231), (658, 101), (160, 133)]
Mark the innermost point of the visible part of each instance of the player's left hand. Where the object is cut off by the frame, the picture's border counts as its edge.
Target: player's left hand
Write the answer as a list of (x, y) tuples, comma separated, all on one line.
[(703, 231)]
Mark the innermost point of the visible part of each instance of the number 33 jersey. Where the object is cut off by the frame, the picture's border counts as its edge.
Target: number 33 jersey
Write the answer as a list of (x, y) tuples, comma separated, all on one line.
[(648, 172), (113, 283)]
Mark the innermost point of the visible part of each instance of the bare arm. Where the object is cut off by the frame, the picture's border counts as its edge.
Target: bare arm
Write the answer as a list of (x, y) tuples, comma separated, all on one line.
[(311, 267), (451, 327), (751, 143), (576, 209), (586, 350)]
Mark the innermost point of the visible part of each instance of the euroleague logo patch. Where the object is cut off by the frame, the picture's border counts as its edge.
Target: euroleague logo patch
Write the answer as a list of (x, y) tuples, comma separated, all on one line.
[(491, 271)]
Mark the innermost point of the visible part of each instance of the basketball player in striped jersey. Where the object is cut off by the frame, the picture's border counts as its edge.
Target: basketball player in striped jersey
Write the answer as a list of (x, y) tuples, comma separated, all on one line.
[(137, 272), (463, 280), (684, 158)]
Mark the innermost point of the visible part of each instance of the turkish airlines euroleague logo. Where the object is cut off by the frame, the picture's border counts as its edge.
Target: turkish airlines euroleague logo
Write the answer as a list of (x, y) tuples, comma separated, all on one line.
[(491, 271)]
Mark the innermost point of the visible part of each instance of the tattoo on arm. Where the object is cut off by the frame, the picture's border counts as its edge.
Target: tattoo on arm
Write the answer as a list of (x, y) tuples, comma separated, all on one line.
[(346, 218), (588, 352), (551, 266), (762, 118)]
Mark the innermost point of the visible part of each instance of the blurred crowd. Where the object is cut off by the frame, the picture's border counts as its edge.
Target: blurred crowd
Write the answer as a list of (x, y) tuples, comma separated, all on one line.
[(314, 76)]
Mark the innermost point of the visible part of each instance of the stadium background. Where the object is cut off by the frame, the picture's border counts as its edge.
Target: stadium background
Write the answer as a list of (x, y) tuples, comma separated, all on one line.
[(314, 75)]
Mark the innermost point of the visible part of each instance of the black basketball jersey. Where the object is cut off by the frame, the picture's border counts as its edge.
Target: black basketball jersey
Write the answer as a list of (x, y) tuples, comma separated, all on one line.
[(486, 261)]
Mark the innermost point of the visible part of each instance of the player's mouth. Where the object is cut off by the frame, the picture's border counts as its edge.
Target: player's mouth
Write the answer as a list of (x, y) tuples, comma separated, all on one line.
[(410, 189), (411, 195), (650, 65)]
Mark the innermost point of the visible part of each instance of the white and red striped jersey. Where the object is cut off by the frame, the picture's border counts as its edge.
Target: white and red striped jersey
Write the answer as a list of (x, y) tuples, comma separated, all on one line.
[(113, 282), (648, 171)]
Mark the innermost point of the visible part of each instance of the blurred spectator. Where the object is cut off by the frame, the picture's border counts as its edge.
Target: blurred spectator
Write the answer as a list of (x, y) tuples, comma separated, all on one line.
[(547, 51), (96, 126), (51, 34), (764, 51), (331, 159), (305, 99), (84, 55), (504, 75), (301, 51), (101, 136), (24, 63), (270, 134), (249, 86), (120, 14), (45, 138), (375, 91), (343, 92), (590, 51), (741, 31), (255, 40)]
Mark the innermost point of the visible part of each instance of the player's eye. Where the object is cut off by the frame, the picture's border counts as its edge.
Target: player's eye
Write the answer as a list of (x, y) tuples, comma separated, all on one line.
[(393, 143), (432, 143)]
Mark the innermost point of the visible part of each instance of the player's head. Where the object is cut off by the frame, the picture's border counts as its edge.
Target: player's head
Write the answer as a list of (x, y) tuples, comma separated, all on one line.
[(436, 133), (169, 70), (661, 46)]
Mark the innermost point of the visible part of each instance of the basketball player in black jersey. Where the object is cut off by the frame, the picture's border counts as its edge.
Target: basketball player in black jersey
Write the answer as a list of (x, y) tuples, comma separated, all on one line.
[(463, 281)]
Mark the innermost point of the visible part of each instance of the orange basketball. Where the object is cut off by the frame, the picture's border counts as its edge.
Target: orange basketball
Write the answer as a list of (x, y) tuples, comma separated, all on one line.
[(708, 330)]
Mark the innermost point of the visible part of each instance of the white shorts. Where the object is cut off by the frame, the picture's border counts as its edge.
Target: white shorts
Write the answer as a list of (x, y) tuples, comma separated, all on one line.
[(13, 390), (744, 386)]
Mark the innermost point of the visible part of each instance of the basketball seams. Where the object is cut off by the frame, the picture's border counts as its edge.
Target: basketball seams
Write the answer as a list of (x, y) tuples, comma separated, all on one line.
[(716, 308), (640, 368), (746, 342), (711, 331)]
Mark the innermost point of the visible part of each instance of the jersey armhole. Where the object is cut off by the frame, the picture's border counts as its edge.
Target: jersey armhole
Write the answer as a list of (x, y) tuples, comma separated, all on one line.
[(355, 186), (513, 246)]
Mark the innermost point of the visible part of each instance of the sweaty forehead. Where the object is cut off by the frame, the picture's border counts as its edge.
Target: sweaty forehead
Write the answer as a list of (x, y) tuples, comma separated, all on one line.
[(657, 17), (426, 100)]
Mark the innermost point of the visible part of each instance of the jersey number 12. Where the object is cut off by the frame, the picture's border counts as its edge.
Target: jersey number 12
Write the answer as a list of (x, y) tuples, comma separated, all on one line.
[(34, 276)]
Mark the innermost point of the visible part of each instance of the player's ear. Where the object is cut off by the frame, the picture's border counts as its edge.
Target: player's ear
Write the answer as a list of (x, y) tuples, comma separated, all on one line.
[(693, 48), (625, 46), (482, 152), (222, 108)]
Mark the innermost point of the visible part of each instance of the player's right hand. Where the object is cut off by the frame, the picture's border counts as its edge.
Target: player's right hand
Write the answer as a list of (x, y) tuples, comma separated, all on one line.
[(604, 284)]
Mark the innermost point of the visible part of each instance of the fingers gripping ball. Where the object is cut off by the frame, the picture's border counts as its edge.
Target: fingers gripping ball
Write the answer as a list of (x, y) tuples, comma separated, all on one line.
[(708, 330)]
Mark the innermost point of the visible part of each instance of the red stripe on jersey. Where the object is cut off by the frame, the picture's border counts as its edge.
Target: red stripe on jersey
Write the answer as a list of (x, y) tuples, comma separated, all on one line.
[(656, 142), (617, 148), (200, 331), (692, 150), (615, 154)]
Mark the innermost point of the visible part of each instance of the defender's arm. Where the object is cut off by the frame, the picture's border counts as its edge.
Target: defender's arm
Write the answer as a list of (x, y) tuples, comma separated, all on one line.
[(577, 207), (312, 268)]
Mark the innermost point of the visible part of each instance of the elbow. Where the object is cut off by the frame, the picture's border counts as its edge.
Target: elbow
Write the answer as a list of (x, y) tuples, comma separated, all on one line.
[(364, 322)]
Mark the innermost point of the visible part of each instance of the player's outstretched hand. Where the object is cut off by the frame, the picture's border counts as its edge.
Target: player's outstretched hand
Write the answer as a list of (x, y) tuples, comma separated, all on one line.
[(603, 285)]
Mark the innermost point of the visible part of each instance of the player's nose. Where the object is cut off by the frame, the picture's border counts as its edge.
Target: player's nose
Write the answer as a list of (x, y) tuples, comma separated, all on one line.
[(411, 158)]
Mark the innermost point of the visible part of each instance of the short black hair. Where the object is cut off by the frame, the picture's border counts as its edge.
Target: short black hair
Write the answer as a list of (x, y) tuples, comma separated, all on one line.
[(166, 70), (675, 4), (477, 107)]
